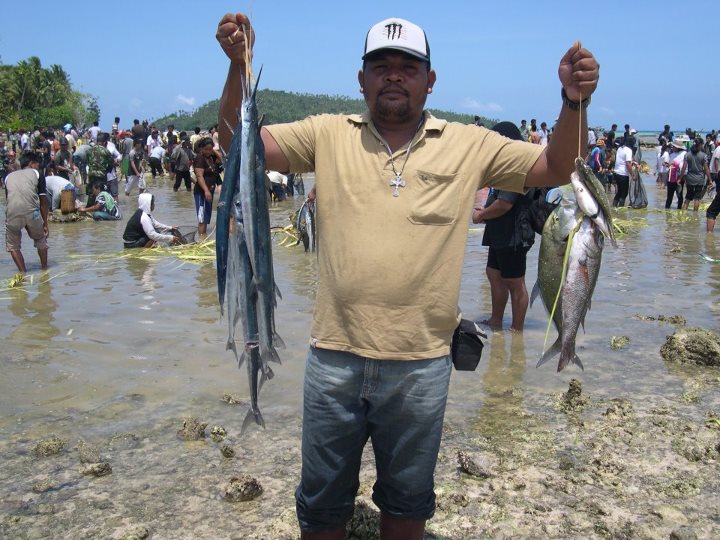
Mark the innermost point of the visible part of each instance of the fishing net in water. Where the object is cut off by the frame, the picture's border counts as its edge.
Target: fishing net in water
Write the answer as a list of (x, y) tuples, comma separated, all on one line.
[(638, 197), (186, 235)]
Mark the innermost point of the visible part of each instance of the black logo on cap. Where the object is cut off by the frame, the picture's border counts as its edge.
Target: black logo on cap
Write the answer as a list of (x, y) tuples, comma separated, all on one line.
[(393, 29)]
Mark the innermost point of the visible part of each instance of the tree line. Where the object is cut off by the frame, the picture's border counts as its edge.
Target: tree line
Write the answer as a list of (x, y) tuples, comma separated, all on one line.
[(31, 95), (278, 106)]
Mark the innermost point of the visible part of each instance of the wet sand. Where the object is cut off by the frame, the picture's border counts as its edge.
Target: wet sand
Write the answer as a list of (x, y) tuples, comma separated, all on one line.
[(111, 355)]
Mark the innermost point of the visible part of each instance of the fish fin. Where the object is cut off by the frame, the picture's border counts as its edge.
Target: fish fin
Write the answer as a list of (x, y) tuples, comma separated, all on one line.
[(550, 353), (252, 415), (564, 361), (277, 340), (277, 291), (242, 359), (269, 355), (266, 373), (231, 347), (535, 292), (259, 286)]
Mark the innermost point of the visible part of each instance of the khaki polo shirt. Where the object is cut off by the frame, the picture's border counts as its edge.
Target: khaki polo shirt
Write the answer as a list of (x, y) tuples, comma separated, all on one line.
[(390, 267)]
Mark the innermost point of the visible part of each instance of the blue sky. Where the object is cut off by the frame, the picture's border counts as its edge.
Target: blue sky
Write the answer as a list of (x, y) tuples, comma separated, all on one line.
[(497, 59)]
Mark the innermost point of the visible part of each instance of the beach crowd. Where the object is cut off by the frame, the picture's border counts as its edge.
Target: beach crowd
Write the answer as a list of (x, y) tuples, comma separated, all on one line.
[(92, 165), (84, 170)]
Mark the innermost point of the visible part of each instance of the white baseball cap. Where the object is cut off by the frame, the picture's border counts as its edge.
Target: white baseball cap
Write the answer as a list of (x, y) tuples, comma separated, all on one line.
[(400, 35)]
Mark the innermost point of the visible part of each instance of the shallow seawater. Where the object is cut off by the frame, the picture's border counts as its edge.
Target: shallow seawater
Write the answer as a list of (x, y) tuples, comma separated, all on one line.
[(116, 351)]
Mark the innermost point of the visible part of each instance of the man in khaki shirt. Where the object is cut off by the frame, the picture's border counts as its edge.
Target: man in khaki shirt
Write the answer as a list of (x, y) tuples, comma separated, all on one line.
[(395, 189)]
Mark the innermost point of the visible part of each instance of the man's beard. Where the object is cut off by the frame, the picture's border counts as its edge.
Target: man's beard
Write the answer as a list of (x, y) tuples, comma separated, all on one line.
[(395, 110)]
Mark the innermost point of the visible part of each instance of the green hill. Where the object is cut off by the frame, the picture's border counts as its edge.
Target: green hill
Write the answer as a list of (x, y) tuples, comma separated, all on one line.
[(279, 106)]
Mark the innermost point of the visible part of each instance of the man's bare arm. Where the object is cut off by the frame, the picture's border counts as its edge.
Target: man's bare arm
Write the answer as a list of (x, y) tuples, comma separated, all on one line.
[(233, 33), (579, 73)]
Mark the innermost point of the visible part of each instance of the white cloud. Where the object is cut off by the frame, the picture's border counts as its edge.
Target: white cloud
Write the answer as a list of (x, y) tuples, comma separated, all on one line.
[(190, 101), (606, 111), (476, 106)]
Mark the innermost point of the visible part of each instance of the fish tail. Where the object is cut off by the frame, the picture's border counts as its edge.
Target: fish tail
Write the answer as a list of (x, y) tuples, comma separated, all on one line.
[(550, 353), (253, 415), (535, 292), (567, 359)]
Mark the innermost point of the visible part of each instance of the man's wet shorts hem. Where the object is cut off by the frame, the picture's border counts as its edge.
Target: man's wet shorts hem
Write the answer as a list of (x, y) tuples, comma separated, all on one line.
[(33, 226)]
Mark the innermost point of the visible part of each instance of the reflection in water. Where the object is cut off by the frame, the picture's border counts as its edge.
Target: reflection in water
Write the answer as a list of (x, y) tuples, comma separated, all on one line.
[(35, 315), (143, 272), (302, 269), (206, 286), (502, 413)]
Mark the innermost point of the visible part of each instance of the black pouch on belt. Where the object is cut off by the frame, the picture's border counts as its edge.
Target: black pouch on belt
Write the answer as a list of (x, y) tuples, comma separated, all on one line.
[(466, 348)]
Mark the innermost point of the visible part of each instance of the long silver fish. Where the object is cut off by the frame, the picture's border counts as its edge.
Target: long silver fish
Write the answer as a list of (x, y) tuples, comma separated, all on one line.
[(223, 213), (267, 290), (258, 372), (250, 284)]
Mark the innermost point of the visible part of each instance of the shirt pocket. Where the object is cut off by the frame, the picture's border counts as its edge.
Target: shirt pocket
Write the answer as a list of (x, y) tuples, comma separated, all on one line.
[(437, 202)]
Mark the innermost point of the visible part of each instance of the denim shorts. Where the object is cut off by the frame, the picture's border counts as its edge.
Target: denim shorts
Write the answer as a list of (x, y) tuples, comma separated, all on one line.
[(399, 405), (203, 207)]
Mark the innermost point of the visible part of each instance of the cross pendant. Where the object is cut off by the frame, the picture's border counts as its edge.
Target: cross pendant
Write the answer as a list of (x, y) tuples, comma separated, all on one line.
[(397, 183)]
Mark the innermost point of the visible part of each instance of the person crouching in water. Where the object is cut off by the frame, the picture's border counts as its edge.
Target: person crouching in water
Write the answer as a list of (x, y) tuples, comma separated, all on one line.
[(143, 230), (105, 207)]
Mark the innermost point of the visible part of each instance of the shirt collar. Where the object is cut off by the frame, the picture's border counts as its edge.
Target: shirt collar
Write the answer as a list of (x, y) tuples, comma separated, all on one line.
[(431, 124)]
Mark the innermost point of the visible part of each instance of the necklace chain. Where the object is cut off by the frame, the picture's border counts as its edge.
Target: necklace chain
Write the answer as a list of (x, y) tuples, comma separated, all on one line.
[(397, 182)]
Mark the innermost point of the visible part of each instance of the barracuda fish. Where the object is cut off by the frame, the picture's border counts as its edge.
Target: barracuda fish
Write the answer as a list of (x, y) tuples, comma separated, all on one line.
[(263, 269), (223, 213), (305, 225), (258, 371), (244, 254)]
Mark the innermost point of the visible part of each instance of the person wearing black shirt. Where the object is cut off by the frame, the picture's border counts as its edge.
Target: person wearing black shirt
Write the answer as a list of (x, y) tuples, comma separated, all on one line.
[(508, 243), (207, 176)]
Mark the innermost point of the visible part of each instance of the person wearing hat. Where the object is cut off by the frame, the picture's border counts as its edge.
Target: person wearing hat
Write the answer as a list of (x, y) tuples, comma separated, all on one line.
[(674, 163), (395, 187)]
